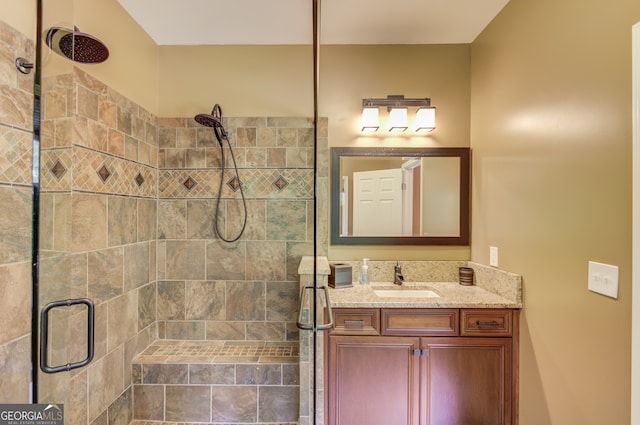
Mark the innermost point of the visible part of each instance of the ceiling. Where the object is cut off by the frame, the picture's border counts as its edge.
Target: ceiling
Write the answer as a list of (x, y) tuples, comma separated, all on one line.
[(211, 22)]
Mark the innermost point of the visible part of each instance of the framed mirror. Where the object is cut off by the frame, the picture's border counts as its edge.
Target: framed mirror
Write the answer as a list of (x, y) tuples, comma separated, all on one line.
[(400, 196)]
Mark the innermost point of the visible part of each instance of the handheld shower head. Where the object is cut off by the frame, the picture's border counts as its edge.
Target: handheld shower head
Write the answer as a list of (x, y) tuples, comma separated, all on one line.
[(213, 120), (208, 120)]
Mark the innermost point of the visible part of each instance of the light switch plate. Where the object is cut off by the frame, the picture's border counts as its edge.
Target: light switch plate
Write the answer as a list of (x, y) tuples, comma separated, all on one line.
[(603, 279), (493, 256)]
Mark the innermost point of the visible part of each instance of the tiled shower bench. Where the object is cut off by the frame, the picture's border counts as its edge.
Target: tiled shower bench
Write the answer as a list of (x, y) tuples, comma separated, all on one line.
[(216, 382)]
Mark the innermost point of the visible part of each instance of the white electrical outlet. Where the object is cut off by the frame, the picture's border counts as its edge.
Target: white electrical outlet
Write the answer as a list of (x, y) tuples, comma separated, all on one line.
[(493, 256), (603, 279)]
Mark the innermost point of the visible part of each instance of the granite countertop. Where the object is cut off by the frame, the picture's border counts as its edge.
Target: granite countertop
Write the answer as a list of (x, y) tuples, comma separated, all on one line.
[(451, 295), (493, 287)]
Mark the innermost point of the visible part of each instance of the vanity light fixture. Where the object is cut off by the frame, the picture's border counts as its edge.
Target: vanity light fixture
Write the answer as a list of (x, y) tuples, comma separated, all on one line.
[(370, 119), (397, 106), (425, 119), (398, 120)]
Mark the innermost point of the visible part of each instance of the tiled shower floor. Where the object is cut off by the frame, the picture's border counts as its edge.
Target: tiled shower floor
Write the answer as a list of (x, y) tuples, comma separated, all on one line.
[(172, 351)]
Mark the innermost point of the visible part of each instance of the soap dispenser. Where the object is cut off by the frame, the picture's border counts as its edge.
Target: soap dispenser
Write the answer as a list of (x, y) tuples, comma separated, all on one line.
[(364, 274)]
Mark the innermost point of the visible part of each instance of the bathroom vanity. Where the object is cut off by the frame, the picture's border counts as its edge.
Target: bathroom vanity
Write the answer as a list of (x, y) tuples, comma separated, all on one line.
[(404, 355), (422, 366)]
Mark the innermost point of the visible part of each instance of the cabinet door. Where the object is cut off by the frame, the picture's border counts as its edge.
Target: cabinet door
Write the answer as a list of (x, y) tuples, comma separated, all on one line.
[(373, 380), (467, 381)]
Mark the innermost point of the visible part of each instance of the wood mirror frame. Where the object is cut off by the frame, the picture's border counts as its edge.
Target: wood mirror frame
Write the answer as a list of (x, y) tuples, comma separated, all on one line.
[(464, 154)]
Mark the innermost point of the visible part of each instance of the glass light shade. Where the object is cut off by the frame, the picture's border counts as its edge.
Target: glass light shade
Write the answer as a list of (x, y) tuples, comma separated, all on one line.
[(398, 120), (369, 121), (425, 120)]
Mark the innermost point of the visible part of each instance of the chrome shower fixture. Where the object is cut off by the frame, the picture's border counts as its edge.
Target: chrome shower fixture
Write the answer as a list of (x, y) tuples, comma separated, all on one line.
[(77, 46), (23, 65)]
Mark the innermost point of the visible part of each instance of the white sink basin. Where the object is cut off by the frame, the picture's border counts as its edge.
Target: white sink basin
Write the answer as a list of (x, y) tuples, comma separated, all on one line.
[(405, 293)]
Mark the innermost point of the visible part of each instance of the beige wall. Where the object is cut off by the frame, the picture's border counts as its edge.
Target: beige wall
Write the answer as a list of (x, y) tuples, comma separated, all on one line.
[(350, 73), (551, 140), (278, 81), (132, 67), (20, 15), (244, 80)]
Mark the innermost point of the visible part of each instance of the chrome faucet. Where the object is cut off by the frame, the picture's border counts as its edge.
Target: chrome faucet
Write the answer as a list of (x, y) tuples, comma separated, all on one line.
[(398, 277)]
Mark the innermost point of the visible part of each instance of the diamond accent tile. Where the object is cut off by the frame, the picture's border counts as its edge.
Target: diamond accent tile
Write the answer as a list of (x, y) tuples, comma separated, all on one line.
[(281, 183), (123, 174), (255, 183), (139, 179), (49, 180), (58, 170), (189, 183), (234, 183), (104, 173)]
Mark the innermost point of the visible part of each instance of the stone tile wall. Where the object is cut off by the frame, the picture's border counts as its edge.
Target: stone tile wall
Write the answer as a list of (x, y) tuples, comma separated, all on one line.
[(98, 240), (127, 207), (246, 290), (16, 100)]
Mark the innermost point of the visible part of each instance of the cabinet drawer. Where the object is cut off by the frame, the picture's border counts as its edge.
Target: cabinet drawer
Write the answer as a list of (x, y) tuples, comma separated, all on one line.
[(418, 322), (486, 322), (356, 321)]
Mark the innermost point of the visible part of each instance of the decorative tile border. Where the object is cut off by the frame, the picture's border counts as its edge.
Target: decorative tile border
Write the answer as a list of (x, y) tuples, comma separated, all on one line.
[(55, 167), (78, 168), (256, 183), (15, 158), (97, 172)]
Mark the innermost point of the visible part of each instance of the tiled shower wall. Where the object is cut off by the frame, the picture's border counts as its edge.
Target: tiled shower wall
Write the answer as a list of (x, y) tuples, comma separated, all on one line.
[(127, 213), (16, 105), (245, 290), (98, 240)]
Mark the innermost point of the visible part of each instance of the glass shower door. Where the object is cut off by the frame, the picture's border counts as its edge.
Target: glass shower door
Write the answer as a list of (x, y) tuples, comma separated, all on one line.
[(315, 316), (63, 317)]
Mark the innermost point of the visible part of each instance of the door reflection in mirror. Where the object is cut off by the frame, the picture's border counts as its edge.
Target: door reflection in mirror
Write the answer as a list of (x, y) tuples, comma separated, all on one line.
[(417, 195), (417, 198)]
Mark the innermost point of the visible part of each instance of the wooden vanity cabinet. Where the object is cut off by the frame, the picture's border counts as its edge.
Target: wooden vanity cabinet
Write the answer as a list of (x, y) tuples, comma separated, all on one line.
[(466, 381), (424, 367), (373, 380)]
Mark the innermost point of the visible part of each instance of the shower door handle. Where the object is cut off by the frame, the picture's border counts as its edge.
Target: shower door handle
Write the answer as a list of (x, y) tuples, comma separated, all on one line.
[(310, 326), (44, 335)]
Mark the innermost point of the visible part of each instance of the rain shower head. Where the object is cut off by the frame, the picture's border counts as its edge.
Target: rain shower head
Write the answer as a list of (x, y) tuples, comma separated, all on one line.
[(76, 45)]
